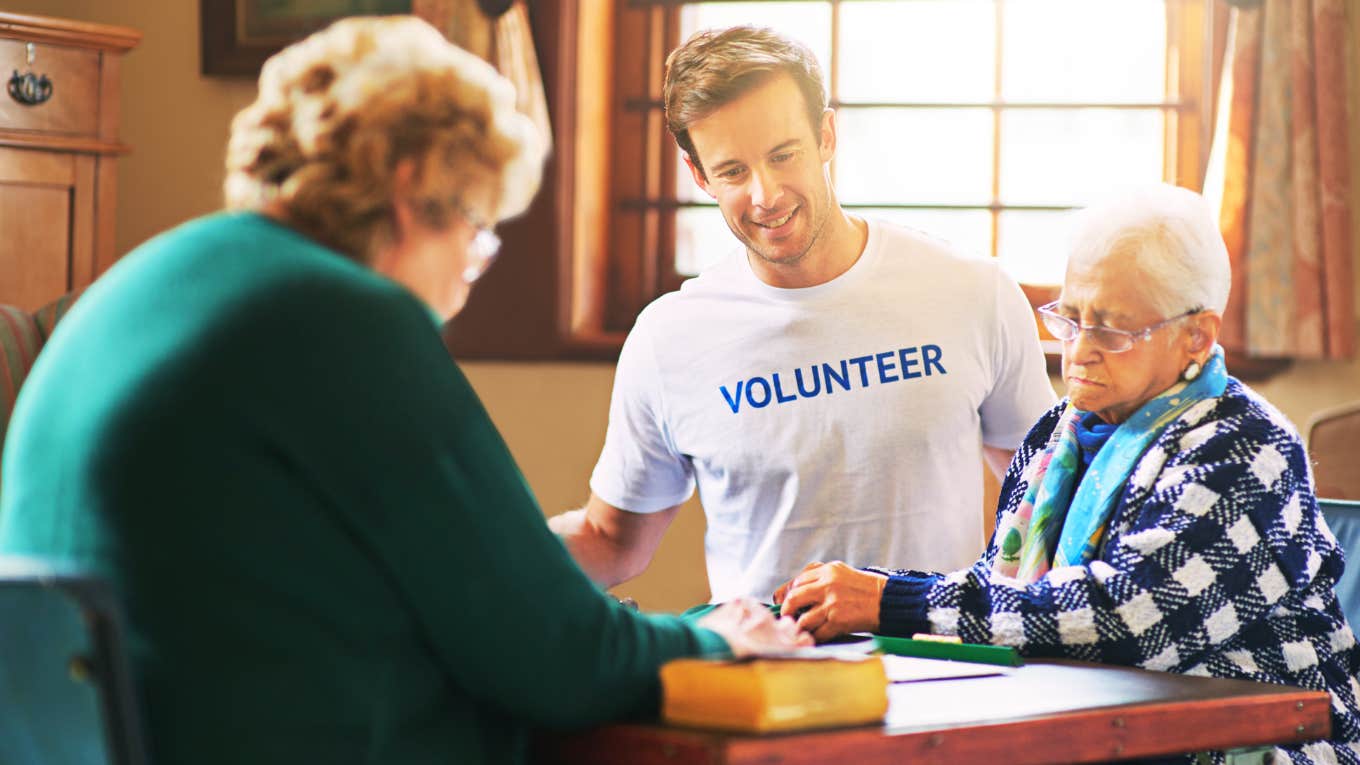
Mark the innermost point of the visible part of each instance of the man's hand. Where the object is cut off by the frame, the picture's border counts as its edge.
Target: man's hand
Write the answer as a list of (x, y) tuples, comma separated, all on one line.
[(832, 599), (749, 628)]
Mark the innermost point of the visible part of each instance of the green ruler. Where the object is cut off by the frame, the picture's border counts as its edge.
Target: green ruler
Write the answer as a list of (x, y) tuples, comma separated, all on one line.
[(930, 649)]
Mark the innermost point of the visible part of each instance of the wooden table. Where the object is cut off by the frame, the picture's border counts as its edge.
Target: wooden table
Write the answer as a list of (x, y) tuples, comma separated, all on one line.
[(1045, 711)]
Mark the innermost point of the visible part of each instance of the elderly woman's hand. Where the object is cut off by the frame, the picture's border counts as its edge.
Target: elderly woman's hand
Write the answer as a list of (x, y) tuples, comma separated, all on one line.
[(832, 599), (749, 628)]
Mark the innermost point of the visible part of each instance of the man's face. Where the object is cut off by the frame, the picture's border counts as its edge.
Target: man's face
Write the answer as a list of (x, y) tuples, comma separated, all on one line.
[(766, 167)]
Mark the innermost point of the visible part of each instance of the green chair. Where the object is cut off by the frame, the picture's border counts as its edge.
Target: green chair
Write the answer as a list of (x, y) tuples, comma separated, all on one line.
[(66, 695), (1343, 518)]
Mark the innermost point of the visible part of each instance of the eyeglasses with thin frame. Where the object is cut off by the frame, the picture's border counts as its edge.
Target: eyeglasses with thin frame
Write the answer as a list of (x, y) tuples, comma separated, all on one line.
[(482, 250), (1107, 339)]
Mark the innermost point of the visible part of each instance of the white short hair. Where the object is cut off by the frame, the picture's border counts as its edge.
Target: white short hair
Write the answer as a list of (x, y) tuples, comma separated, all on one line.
[(1172, 232)]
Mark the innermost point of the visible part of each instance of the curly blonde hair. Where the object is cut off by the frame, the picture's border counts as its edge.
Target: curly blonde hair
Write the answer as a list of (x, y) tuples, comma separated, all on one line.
[(338, 112)]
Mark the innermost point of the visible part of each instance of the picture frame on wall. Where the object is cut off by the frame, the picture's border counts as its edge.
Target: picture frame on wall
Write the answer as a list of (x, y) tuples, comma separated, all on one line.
[(238, 35)]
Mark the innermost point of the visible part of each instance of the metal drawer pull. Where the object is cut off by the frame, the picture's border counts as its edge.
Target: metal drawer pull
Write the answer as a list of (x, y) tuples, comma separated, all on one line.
[(30, 89)]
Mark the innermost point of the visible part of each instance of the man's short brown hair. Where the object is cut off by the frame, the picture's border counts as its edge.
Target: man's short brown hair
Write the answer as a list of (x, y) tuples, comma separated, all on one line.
[(716, 66)]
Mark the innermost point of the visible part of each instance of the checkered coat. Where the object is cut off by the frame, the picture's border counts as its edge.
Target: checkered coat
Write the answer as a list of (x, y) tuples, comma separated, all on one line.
[(1216, 562)]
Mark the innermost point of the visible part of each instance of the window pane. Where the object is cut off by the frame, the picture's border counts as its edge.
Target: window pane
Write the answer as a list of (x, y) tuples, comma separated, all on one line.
[(968, 230), (1084, 50), (940, 156), (1065, 157), (1031, 245), (809, 23), (925, 51), (943, 50), (702, 238)]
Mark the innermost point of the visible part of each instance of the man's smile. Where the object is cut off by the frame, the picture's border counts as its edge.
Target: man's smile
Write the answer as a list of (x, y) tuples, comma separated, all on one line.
[(774, 223)]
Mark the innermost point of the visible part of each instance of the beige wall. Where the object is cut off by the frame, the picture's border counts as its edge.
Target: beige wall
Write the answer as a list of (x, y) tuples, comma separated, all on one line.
[(552, 415)]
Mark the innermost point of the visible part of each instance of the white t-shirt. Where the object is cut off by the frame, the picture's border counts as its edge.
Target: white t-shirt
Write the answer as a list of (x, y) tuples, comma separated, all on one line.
[(837, 422)]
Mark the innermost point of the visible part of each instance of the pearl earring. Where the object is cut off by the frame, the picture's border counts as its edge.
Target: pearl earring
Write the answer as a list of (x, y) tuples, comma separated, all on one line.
[(1192, 371)]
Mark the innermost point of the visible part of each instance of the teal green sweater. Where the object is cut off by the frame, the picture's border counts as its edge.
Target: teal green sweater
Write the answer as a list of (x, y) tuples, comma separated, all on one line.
[(324, 549)]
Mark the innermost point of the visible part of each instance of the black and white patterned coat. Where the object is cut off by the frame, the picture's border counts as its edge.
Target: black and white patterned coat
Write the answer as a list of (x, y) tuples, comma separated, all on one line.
[(1216, 562)]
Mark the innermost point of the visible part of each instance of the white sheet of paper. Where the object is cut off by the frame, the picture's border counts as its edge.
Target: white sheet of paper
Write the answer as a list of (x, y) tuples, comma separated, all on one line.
[(909, 669)]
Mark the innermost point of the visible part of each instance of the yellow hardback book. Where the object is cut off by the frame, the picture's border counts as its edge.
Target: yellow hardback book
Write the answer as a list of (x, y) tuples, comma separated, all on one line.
[(774, 694)]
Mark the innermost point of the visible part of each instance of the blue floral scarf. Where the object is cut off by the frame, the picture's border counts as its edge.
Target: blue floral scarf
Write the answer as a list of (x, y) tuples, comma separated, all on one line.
[(1060, 521)]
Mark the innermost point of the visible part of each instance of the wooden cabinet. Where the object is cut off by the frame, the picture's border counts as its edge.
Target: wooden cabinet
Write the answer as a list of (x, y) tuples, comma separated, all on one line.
[(58, 154)]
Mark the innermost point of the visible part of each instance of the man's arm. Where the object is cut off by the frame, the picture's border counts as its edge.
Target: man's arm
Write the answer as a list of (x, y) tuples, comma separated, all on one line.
[(999, 460), (1021, 392), (610, 544)]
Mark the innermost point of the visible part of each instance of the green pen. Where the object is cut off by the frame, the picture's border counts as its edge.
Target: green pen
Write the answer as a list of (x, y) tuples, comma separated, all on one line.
[(1005, 656)]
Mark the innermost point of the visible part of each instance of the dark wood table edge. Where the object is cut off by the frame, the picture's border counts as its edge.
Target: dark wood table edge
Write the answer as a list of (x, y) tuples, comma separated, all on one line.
[(1096, 735)]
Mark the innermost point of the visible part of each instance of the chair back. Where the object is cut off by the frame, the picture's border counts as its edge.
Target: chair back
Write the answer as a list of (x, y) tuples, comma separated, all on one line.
[(1343, 518), (21, 337), (20, 341), (65, 689), (1334, 449)]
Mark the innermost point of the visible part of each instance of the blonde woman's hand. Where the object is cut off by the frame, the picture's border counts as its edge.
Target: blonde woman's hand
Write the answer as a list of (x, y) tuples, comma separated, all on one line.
[(749, 628), (832, 599)]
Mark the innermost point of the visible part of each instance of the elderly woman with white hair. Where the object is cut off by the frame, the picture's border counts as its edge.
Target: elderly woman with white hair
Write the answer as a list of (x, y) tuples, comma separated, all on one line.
[(1161, 516), (251, 428)]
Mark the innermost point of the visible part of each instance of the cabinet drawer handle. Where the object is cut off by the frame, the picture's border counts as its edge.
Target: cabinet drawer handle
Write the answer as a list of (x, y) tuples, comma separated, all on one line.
[(30, 89)]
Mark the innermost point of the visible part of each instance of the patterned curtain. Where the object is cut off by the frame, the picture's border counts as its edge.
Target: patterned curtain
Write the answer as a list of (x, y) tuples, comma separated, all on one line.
[(1280, 170), (498, 31)]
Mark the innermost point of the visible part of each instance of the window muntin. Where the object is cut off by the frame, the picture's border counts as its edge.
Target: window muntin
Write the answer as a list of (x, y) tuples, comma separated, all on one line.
[(978, 121)]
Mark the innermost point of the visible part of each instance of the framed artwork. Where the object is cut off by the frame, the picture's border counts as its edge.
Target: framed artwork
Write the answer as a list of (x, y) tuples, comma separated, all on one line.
[(238, 35)]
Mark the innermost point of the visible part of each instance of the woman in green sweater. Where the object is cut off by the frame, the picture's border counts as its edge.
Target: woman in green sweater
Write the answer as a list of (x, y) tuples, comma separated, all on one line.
[(251, 427)]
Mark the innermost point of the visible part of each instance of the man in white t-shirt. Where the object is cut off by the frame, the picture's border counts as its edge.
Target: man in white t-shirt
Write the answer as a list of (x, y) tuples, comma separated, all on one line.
[(834, 388)]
